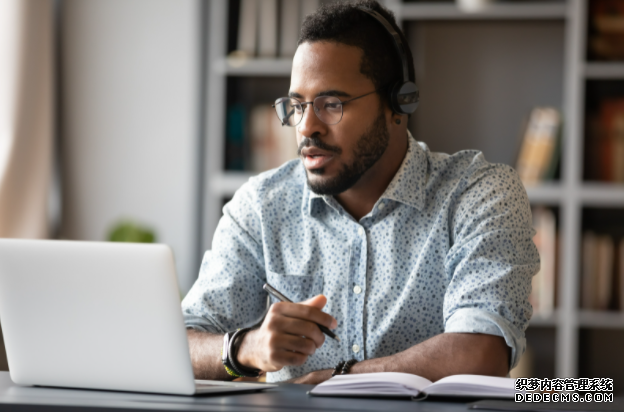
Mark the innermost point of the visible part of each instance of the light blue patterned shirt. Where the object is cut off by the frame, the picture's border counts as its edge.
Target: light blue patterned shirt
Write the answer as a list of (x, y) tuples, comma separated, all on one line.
[(446, 248)]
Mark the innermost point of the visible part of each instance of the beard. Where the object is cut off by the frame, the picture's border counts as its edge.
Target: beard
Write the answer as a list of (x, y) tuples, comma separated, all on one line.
[(369, 149)]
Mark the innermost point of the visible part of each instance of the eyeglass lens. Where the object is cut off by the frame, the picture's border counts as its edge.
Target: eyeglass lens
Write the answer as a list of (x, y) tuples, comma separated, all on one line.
[(290, 110)]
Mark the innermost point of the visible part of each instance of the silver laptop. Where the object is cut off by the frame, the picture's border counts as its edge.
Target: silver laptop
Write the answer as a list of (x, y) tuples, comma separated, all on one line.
[(97, 315)]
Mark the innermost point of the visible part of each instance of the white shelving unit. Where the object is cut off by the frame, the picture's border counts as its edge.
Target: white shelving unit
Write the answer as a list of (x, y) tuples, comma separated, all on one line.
[(437, 11), (253, 67), (570, 194)]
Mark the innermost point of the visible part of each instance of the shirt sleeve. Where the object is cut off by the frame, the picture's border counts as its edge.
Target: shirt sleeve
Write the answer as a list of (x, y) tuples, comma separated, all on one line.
[(492, 259), (228, 293)]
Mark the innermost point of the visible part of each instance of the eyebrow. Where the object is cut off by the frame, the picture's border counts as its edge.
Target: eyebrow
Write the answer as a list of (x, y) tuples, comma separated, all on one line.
[(336, 93)]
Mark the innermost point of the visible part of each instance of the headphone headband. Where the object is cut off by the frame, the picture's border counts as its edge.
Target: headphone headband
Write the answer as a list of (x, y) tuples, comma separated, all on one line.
[(398, 43), (404, 95)]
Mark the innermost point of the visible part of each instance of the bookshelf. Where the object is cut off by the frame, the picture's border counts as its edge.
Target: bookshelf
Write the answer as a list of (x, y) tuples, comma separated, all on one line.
[(604, 71), (570, 193), (253, 67), (510, 11)]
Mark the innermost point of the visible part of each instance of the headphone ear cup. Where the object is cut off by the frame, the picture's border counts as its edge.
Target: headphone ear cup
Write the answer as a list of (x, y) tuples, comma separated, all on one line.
[(404, 98)]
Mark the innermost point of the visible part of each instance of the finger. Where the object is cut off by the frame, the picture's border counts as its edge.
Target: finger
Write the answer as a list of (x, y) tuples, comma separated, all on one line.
[(318, 301), (299, 327), (309, 313), (293, 343), (285, 358)]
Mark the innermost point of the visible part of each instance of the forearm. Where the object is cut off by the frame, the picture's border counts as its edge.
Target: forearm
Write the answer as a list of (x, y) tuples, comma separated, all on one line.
[(445, 355), (205, 351)]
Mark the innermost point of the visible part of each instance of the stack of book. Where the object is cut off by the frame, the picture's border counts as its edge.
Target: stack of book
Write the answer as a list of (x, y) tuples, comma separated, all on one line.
[(603, 272), (268, 28), (543, 285), (256, 141), (605, 142), (540, 150), (606, 40)]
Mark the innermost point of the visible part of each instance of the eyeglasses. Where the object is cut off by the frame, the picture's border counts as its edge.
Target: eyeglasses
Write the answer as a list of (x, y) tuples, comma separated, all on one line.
[(327, 108)]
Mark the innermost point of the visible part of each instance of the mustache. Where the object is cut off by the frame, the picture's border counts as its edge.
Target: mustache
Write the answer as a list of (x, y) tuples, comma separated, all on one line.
[(316, 142)]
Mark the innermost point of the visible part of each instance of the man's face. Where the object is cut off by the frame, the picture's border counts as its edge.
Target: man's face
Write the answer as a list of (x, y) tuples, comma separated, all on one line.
[(337, 156)]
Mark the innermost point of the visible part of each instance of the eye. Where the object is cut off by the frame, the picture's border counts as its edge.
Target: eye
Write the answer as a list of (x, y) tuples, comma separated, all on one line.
[(298, 108), (332, 107)]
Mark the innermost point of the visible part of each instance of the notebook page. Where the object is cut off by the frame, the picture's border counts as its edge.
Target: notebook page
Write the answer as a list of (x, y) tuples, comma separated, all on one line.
[(373, 383), (472, 385)]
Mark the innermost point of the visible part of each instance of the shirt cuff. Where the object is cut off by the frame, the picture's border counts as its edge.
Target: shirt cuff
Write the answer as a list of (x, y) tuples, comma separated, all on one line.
[(470, 320), (201, 324)]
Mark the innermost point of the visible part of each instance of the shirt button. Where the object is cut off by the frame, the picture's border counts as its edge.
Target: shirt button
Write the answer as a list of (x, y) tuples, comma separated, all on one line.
[(361, 231), (381, 206), (357, 290), (356, 348)]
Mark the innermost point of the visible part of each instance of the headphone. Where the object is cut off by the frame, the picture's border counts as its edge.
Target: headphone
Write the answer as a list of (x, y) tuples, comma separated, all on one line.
[(404, 94)]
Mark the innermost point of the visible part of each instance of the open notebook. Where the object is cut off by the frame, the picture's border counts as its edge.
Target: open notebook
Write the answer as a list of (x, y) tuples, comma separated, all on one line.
[(396, 384)]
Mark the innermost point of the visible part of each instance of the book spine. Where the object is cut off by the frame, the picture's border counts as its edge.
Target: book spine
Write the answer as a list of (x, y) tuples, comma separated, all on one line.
[(248, 27), (289, 27), (268, 28), (621, 275), (235, 138), (589, 266), (604, 272)]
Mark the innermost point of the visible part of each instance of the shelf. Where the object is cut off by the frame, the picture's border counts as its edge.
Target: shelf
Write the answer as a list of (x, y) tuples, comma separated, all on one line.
[(544, 320), (589, 194), (254, 67), (546, 193), (604, 71), (602, 194), (225, 184), (601, 319), (526, 11)]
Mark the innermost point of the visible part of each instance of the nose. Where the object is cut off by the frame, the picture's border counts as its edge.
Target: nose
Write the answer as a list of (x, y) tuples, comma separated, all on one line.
[(310, 123)]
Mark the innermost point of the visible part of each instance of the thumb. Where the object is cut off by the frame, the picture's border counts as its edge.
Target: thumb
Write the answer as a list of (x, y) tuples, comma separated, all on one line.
[(317, 301)]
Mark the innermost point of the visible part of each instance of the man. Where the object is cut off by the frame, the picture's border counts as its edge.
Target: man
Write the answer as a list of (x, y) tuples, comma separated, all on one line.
[(420, 262)]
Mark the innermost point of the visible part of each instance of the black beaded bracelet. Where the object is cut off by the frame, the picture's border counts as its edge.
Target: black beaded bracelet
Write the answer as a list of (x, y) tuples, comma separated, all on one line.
[(343, 367), (347, 366), (338, 368)]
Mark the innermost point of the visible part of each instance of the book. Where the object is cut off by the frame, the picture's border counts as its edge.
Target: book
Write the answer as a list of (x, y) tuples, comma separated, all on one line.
[(588, 290), (620, 277), (542, 295), (604, 271), (599, 266), (235, 137), (395, 384), (248, 27), (612, 141), (271, 143), (289, 28), (592, 167), (267, 37), (606, 40), (539, 149)]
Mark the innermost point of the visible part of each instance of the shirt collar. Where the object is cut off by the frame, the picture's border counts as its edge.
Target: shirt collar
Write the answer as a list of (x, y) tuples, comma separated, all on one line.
[(406, 187), (409, 182)]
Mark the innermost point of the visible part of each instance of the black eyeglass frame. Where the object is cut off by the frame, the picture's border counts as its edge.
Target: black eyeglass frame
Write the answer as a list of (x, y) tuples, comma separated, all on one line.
[(304, 104)]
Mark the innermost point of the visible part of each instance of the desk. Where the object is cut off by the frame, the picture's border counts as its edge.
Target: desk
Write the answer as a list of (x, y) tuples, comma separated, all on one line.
[(287, 397)]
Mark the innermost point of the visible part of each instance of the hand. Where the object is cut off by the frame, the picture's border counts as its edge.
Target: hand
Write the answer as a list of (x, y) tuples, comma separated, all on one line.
[(288, 335), (313, 378)]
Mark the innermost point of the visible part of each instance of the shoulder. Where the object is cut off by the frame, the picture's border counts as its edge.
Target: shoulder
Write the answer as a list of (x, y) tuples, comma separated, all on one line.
[(468, 170), (285, 184)]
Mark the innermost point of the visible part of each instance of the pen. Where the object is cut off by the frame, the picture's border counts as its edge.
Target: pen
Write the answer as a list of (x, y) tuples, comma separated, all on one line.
[(279, 296)]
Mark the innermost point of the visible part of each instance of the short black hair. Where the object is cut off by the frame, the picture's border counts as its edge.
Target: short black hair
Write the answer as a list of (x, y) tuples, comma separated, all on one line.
[(344, 23)]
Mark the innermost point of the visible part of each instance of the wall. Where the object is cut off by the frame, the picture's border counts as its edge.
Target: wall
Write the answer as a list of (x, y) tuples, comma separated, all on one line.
[(129, 120), (479, 81)]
